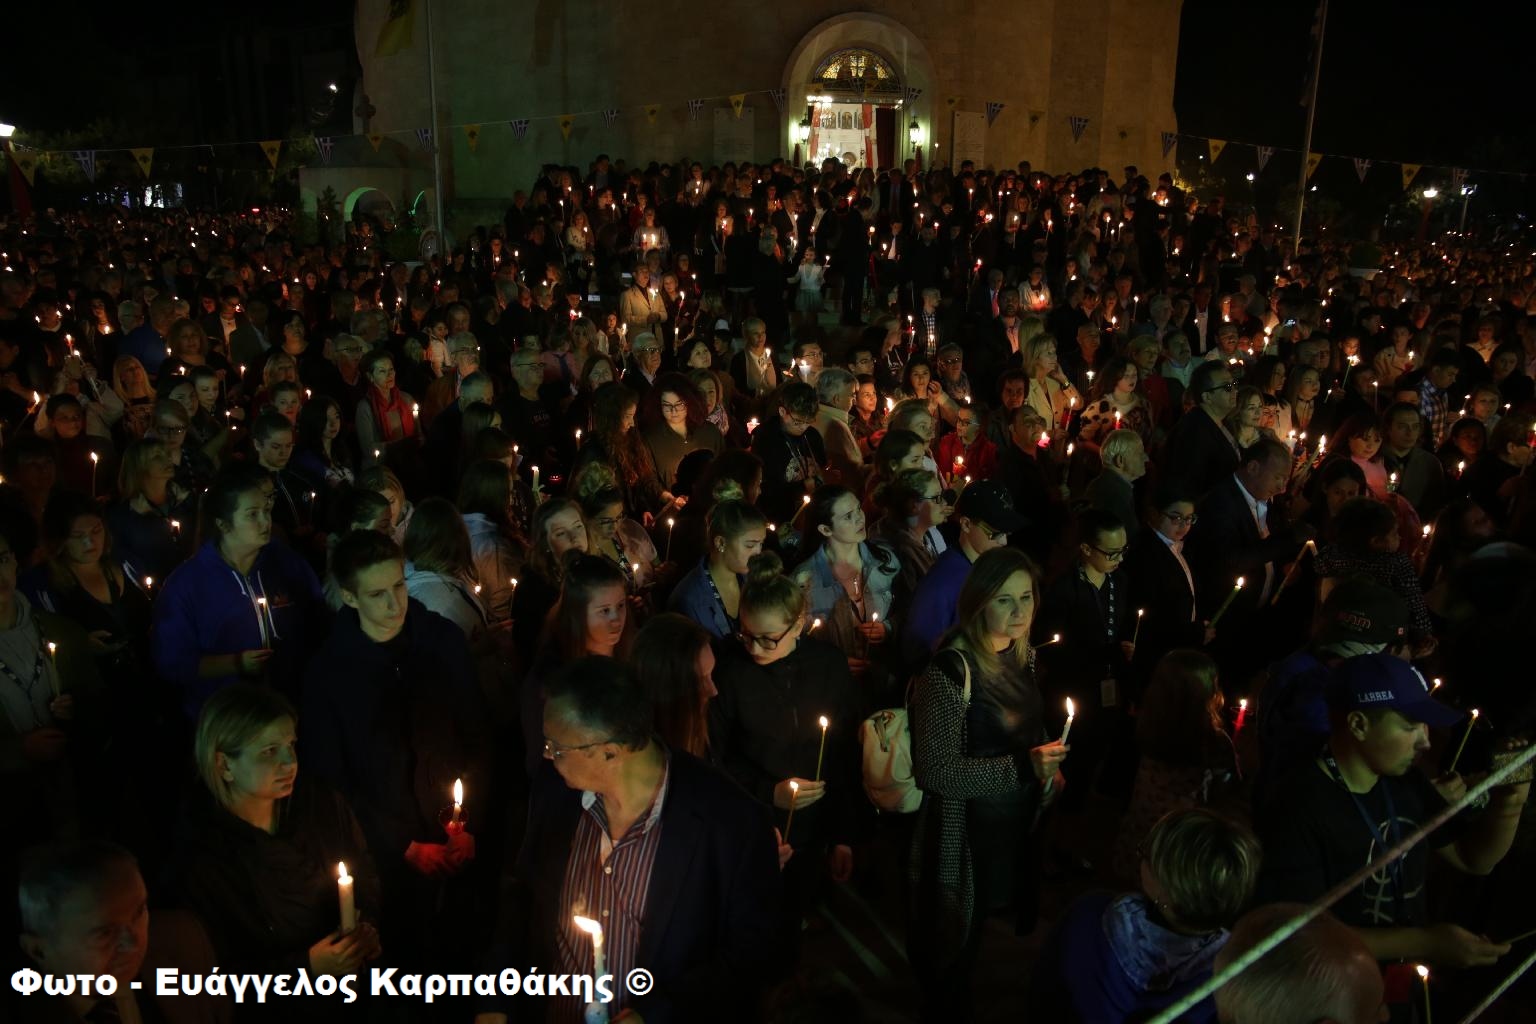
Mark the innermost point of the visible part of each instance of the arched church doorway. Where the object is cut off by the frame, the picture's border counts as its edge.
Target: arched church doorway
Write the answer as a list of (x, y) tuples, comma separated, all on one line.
[(854, 97)]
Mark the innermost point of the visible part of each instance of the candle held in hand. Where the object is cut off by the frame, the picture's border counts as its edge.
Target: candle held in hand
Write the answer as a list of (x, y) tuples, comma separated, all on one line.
[(1071, 714), (823, 750), (346, 895), (1237, 587), (1471, 724), (1423, 973), (599, 956), (794, 798), (458, 802)]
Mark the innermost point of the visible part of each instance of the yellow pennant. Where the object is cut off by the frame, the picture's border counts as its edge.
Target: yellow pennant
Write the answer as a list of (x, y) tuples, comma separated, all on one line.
[(566, 124), (737, 100), (1216, 145), (145, 158), (25, 160), (272, 147), (472, 136), (1313, 159), (651, 110), (376, 140), (1410, 171)]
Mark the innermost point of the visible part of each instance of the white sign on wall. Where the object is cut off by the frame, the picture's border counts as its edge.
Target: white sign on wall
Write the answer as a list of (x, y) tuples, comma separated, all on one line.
[(970, 139), (734, 135)]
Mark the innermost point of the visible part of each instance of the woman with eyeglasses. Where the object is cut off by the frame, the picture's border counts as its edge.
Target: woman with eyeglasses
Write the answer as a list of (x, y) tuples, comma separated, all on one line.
[(913, 508), (849, 581), (983, 760), (776, 683), (1161, 590), (590, 617), (675, 425), (622, 541), (194, 469)]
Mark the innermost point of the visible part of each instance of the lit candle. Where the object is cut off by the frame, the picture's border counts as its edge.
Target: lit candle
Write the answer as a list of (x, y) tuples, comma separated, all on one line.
[(95, 461), (805, 500), (578, 436), (1055, 639), (1137, 634), (752, 425), (599, 958), (794, 797), (1236, 587), (1071, 714), (1471, 723), (1423, 971), (1242, 713), (149, 582), (458, 803), (670, 524), (823, 749), (535, 479), (176, 529), (815, 624), (346, 895)]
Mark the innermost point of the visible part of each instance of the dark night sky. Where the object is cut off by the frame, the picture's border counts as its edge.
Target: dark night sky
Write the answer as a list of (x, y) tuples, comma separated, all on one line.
[(1406, 80)]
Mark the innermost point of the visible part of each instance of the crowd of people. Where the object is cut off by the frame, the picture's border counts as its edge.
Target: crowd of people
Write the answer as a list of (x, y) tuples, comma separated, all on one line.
[(591, 570)]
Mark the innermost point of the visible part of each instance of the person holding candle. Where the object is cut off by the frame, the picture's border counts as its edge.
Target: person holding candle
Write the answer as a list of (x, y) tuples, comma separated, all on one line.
[(141, 520), (392, 715), (623, 542), (1366, 544), (969, 443), (774, 684), (1037, 482), (194, 469), (615, 442), (710, 594), (79, 456), (242, 607), (794, 458), (294, 504), (486, 502), (1114, 403), (1201, 452), (258, 845), (1420, 476), (1360, 795), (386, 417), (981, 756), (673, 416), (849, 582), (1496, 480)]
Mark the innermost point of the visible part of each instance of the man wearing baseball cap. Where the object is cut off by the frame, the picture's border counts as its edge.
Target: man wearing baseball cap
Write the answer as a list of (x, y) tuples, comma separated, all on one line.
[(1361, 795), (985, 516)]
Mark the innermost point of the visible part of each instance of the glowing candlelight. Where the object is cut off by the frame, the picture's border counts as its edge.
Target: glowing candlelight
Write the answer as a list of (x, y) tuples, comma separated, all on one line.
[(347, 898), (1423, 973), (823, 749), (535, 479), (670, 524), (599, 957), (794, 798), (458, 802), (1237, 586), (95, 462), (1071, 714), (1137, 634), (1471, 723)]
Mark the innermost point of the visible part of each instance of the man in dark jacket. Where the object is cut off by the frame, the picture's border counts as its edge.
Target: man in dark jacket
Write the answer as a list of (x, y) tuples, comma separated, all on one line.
[(674, 863), (1201, 452)]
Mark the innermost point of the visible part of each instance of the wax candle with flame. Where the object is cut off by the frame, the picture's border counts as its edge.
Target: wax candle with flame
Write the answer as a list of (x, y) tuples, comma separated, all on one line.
[(599, 955), (1237, 587), (1071, 714), (347, 897), (823, 749), (458, 802)]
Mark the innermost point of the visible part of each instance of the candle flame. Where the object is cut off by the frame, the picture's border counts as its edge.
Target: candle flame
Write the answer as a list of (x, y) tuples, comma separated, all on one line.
[(95, 457), (589, 926), (1475, 712), (824, 722), (1140, 612), (671, 522), (458, 792), (53, 648), (1438, 683), (1422, 971), (1240, 582), (1242, 705), (341, 872), (1071, 709)]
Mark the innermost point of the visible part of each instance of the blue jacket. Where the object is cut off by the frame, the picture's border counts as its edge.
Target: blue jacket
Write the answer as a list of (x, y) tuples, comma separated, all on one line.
[(695, 598), (209, 608), (934, 602), (146, 345)]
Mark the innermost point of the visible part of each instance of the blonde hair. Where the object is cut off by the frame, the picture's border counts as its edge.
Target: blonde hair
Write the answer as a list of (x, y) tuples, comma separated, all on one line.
[(232, 718), (987, 577), (1206, 865)]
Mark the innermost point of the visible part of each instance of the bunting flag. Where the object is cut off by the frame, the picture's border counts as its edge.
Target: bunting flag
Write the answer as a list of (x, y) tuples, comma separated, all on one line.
[(1458, 178), (145, 158), (376, 140), (1170, 139), (1362, 167), (610, 115), (271, 148), (695, 108), (395, 35), (913, 92), (325, 145), (651, 110), (1265, 152), (1313, 159), (25, 160), (86, 158), (424, 139), (993, 109), (1410, 171), (737, 99), (1035, 117), (1216, 146), (519, 128), (566, 124), (778, 98), (472, 136), (952, 102), (1078, 124)]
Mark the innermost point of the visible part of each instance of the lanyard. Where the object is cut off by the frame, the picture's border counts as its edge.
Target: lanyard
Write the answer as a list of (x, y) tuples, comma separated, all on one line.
[(37, 674), (1386, 841), (733, 623)]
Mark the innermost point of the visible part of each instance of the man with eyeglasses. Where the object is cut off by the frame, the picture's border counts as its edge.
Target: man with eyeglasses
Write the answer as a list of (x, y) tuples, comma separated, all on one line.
[(794, 457), (1201, 451), (527, 413), (1161, 583), (984, 516), (640, 377), (675, 862)]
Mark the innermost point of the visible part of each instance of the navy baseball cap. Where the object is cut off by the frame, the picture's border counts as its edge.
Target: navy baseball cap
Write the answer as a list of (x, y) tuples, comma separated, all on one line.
[(990, 502), (1374, 682)]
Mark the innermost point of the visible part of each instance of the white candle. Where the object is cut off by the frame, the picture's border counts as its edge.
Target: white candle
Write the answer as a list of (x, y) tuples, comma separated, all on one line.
[(348, 898), (535, 479), (458, 801), (95, 461), (599, 957), (1071, 714)]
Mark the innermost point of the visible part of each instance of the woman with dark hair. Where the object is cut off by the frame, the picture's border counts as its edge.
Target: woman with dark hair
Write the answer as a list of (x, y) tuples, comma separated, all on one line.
[(1114, 403), (848, 580), (898, 450), (1359, 439), (591, 617), (325, 457), (676, 425), (558, 529), (710, 594), (984, 763), (674, 663), (386, 417), (242, 607), (194, 469), (912, 510), (1462, 446), (1339, 481), (440, 568), (599, 369), (615, 442), (485, 502), (1366, 542), (1493, 481), (621, 540)]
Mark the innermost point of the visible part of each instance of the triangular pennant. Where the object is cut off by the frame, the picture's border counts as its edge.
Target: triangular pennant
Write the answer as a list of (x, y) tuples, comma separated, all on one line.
[(1264, 152), (25, 160), (270, 149), (472, 136), (1313, 159), (566, 124), (86, 158), (1035, 117), (395, 33), (1458, 178), (424, 138), (695, 108), (1216, 146), (325, 145), (1078, 124), (610, 115), (1170, 139), (952, 102), (651, 110), (145, 158), (519, 128), (778, 98), (993, 109), (376, 140), (1362, 167), (1410, 171), (913, 92), (737, 100)]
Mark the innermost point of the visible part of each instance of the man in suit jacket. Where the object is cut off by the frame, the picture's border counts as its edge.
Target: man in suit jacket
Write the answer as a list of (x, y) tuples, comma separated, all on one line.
[(1200, 326), (1162, 585), (675, 862), (1201, 451), (1124, 460)]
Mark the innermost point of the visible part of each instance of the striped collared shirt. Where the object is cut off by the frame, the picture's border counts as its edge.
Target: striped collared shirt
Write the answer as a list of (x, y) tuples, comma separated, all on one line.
[(608, 882)]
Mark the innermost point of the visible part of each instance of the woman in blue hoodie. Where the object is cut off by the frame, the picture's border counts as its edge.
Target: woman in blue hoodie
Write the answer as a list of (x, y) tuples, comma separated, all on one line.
[(242, 607)]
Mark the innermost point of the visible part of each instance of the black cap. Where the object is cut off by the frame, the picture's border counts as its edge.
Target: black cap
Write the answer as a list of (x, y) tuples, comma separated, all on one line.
[(989, 502), (1362, 611)]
